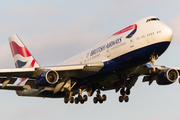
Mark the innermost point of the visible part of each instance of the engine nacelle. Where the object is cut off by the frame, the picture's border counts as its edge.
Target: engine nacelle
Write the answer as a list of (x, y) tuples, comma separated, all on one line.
[(47, 78), (168, 77)]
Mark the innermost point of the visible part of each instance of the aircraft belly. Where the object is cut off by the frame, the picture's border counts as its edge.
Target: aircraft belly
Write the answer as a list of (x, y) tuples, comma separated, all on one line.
[(140, 56)]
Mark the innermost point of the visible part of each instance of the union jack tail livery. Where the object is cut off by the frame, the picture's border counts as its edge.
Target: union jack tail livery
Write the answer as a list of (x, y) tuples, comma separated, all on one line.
[(22, 57)]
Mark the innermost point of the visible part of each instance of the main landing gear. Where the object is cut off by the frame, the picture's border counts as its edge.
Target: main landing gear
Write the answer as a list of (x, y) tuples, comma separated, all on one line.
[(79, 98), (98, 98), (124, 94)]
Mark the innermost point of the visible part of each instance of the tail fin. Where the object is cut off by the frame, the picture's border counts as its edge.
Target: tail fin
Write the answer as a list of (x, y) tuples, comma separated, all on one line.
[(22, 57)]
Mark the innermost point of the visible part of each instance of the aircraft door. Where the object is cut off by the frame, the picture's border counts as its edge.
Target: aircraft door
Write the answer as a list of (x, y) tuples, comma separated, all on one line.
[(107, 53), (131, 43)]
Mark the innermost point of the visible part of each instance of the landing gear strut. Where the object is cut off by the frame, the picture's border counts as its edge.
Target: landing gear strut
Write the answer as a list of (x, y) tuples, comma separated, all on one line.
[(66, 99), (153, 58), (126, 84)]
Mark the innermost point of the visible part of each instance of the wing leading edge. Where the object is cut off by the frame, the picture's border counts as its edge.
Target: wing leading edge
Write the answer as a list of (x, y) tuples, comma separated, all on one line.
[(75, 71)]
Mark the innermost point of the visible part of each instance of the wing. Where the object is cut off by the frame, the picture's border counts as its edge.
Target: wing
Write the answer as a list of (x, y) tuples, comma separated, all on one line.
[(163, 75), (9, 76)]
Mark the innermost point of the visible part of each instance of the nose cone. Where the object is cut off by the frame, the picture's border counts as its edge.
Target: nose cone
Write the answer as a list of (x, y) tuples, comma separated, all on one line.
[(168, 34)]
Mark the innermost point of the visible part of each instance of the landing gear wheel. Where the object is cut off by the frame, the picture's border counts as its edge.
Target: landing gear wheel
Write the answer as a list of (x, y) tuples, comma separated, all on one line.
[(85, 98), (127, 91), (98, 97), (104, 97), (120, 98), (95, 100), (76, 101), (66, 100), (126, 99), (72, 100), (101, 101), (122, 92), (82, 101), (79, 97)]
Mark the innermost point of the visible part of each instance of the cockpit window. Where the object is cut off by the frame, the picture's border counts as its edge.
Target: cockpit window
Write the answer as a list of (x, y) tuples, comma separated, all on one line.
[(152, 19)]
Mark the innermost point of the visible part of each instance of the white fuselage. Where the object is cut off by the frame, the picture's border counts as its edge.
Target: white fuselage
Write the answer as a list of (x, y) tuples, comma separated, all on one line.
[(148, 33)]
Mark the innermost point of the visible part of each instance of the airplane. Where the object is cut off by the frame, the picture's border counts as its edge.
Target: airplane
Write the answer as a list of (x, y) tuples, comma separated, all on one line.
[(115, 63)]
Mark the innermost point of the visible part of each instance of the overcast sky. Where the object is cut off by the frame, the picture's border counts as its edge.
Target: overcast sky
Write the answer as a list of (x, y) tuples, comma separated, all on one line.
[(55, 30)]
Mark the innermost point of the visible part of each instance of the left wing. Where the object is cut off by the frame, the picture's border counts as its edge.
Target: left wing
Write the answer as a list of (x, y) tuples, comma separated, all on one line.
[(163, 75)]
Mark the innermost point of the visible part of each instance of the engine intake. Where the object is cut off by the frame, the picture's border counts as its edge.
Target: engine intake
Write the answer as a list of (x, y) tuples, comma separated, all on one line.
[(47, 78), (168, 77)]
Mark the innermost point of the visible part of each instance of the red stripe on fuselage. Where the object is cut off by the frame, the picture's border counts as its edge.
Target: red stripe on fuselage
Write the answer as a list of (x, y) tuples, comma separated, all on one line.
[(16, 49), (126, 29)]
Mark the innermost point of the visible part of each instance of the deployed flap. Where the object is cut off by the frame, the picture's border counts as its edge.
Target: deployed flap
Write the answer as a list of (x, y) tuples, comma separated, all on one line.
[(60, 85), (11, 81), (150, 79)]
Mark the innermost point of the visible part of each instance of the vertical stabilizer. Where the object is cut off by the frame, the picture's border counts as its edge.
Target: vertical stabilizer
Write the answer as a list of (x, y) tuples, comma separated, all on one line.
[(22, 57)]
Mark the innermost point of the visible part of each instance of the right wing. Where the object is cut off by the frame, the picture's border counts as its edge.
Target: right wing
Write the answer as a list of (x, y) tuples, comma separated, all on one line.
[(76, 71), (9, 76)]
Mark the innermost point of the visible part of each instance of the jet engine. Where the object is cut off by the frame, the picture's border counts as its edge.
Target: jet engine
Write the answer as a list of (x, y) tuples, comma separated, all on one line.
[(47, 78), (168, 77)]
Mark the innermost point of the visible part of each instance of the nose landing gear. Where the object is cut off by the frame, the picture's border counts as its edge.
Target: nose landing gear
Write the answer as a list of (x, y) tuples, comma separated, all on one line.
[(153, 58)]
